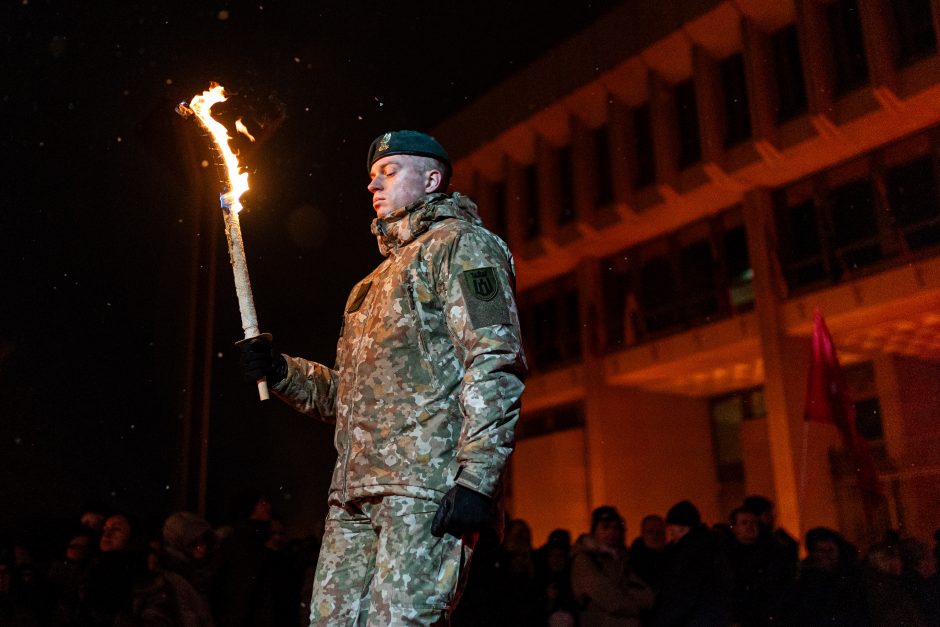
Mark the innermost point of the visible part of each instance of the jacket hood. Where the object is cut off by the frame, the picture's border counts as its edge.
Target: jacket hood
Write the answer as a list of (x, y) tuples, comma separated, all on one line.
[(181, 530), (403, 225)]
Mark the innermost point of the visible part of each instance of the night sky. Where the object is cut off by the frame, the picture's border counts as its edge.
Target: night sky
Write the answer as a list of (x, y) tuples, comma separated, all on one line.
[(100, 220)]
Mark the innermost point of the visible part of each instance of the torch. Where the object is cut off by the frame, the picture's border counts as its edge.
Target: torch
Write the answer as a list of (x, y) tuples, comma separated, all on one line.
[(236, 185)]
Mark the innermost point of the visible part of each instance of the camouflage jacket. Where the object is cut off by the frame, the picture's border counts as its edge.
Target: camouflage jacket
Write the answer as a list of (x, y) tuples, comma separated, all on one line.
[(429, 365)]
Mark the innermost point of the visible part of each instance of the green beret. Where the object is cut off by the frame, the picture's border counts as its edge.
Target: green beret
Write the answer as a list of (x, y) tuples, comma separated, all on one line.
[(406, 143)]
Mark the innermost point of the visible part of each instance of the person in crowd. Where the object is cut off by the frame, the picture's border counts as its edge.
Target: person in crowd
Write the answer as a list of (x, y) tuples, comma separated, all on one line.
[(762, 580), (67, 574), (697, 585), (13, 611), (830, 590), (919, 572), (553, 576), (766, 513), (241, 591), (648, 551), (890, 602), (177, 592), (119, 566), (609, 593), (284, 574), (521, 599), (425, 395), (93, 516)]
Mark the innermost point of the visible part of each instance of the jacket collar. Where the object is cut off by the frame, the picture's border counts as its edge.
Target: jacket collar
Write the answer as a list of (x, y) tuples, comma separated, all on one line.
[(404, 225)]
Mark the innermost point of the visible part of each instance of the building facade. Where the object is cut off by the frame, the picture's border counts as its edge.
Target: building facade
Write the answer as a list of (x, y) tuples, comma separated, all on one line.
[(683, 183)]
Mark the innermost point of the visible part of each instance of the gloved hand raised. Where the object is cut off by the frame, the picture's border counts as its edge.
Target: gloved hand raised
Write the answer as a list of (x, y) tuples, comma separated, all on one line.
[(259, 359), (462, 511)]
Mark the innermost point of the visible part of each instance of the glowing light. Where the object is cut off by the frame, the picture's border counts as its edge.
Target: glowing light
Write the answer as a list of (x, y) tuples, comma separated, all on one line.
[(241, 128), (201, 106)]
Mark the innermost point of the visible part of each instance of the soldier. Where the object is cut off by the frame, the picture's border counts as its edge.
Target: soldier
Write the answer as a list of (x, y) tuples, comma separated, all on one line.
[(425, 395)]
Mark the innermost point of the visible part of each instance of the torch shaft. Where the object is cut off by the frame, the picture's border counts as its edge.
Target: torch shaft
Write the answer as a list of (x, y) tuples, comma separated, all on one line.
[(246, 302)]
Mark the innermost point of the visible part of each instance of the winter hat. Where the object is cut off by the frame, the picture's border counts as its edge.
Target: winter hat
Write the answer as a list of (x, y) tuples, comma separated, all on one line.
[(182, 529), (684, 513), (605, 513)]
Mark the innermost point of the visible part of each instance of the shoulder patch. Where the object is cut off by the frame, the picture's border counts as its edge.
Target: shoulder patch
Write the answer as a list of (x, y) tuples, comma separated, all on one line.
[(484, 298), (482, 283)]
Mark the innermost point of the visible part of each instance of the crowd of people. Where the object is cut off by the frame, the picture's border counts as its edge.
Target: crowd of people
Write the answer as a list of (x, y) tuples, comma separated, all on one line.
[(112, 569), (681, 572)]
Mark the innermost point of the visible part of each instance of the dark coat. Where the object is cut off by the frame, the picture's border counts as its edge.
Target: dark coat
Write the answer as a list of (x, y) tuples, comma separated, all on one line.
[(696, 588)]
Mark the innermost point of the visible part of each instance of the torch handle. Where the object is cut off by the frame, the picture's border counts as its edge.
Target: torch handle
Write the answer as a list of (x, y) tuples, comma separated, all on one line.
[(263, 381)]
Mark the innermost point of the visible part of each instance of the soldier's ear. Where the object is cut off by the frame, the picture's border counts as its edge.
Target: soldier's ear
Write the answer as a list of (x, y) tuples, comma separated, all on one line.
[(432, 180)]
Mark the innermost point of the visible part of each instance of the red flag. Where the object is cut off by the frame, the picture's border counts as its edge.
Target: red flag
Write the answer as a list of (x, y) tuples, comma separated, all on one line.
[(827, 400)]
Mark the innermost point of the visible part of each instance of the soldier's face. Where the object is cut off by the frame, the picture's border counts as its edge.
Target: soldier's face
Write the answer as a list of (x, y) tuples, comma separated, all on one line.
[(396, 181)]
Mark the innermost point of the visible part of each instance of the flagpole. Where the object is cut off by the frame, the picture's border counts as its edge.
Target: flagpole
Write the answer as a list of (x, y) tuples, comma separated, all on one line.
[(802, 490)]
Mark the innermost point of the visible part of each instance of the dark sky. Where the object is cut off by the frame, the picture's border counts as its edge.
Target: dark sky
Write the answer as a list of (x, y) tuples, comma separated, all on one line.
[(101, 199)]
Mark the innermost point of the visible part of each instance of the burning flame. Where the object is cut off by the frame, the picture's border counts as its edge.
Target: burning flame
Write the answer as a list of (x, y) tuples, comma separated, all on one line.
[(201, 107), (241, 128)]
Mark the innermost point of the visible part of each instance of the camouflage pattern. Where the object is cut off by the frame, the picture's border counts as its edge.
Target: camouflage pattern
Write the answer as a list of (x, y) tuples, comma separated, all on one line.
[(425, 392), (402, 576), (429, 365)]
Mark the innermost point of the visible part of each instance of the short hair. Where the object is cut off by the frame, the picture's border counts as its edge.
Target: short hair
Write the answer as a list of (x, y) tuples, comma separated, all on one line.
[(758, 504), (605, 513), (426, 164)]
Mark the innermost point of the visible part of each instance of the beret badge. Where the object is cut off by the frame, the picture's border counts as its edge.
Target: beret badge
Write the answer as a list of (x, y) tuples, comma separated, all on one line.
[(383, 143)]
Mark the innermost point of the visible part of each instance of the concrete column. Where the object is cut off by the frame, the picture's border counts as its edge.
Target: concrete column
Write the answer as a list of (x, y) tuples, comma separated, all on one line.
[(548, 197), (583, 170), (516, 198), (590, 310), (709, 101), (876, 19), (818, 69), (665, 131), (762, 84), (622, 153), (758, 218)]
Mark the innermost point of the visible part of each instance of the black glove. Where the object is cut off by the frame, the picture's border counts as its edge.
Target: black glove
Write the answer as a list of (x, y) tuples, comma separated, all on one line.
[(462, 511), (259, 359)]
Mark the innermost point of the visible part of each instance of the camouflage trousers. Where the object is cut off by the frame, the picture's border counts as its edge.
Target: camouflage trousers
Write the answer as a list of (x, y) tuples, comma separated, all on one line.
[(380, 565)]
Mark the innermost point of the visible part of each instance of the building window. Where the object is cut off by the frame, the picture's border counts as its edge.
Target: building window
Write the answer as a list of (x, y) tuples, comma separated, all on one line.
[(860, 381), (848, 45), (551, 327), (915, 203), (691, 277), (533, 219), (500, 219), (801, 241), (604, 193), (690, 146), (644, 172), (788, 73), (727, 415), (549, 421), (737, 264), (565, 171), (657, 297), (914, 30), (855, 235), (737, 110), (826, 235)]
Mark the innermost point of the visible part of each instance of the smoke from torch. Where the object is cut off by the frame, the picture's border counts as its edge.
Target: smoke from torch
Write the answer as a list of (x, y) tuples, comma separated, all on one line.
[(236, 185)]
